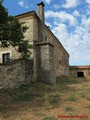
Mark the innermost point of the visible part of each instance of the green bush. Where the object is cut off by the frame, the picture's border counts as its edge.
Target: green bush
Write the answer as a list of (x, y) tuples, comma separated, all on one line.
[(72, 98), (49, 118), (68, 109), (55, 98)]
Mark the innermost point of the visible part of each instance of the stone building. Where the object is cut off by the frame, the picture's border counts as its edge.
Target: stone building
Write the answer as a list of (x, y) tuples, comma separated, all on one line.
[(80, 71), (50, 59), (39, 34)]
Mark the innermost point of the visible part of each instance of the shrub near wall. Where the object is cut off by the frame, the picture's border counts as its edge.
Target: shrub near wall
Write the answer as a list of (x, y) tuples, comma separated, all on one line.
[(15, 73)]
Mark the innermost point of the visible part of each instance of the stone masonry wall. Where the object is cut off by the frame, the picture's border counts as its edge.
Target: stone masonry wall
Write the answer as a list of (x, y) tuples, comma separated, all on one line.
[(45, 63), (61, 57), (38, 32), (15, 73), (29, 34)]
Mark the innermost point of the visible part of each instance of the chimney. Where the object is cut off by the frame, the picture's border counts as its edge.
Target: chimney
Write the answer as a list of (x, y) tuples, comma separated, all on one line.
[(40, 11)]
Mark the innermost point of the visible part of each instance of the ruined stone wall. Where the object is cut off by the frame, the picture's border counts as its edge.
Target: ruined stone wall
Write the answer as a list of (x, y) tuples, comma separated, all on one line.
[(61, 57), (74, 70), (16, 73)]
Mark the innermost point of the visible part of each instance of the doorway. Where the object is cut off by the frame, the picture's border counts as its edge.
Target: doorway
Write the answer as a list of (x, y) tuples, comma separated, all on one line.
[(80, 74)]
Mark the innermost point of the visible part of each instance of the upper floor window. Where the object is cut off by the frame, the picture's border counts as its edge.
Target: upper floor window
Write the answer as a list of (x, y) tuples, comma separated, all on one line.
[(6, 57)]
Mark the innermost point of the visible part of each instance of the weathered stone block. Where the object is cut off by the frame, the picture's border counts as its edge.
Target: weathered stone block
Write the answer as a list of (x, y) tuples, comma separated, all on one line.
[(45, 65)]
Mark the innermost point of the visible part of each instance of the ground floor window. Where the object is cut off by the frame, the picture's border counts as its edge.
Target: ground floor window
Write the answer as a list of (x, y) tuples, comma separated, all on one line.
[(80, 74), (6, 57)]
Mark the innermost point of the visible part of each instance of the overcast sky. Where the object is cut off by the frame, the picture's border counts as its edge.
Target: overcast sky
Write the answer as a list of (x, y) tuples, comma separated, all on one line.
[(69, 20)]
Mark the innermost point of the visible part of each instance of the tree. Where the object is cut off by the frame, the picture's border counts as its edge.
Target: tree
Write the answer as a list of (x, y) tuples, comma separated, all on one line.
[(11, 31)]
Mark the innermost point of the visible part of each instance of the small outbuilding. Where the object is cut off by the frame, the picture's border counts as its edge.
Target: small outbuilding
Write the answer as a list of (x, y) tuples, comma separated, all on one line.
[(80, 71)]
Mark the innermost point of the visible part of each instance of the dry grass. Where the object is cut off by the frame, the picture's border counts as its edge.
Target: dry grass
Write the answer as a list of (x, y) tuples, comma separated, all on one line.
[(39, 101)]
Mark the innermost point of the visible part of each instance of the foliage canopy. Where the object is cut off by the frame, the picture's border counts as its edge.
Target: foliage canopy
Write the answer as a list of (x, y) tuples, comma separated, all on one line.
[(12, 32)]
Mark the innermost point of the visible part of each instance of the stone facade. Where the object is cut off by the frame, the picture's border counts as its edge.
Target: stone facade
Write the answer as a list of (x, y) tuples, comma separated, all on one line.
[(11, 50), (42, 33), (45, 70), (80, 71), (15, 73), (50, 59), (39, 32), (61, 56)]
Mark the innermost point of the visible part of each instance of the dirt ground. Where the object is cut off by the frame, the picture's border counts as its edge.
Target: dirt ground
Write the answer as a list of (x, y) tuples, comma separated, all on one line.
[(69, 97)]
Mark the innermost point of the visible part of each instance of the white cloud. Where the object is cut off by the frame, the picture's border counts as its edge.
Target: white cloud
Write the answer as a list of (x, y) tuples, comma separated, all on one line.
[(88, 1), (87, 9), (70, 3), (56, 6), (76, 40), (23, 4), (48, 24), (61, 31), (48, 1), (76, 13), (62, 16), (86, 22)]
